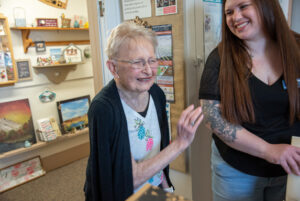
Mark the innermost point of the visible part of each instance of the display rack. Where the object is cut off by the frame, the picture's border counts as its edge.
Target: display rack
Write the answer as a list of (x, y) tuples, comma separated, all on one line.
[(8, 73), (27, 42)]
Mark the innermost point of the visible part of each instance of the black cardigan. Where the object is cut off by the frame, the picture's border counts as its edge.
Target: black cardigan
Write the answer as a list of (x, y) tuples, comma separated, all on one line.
[(109, 170)]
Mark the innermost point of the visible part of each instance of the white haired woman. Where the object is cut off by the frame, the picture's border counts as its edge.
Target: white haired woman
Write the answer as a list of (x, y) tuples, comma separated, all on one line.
[(129, 134)]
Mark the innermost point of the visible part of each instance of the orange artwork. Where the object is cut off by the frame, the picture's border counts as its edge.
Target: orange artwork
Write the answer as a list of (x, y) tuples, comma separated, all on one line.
[(16, 125)]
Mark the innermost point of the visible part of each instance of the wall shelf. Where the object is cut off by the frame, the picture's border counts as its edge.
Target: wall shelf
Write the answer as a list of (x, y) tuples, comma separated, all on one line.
[(56, 73), (27, 42), (40, 144)]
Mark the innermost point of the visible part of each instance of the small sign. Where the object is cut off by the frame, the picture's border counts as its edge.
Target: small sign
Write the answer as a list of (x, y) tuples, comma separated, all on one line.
[(46, 22), (24, 69), (72, 54), (40, 46)]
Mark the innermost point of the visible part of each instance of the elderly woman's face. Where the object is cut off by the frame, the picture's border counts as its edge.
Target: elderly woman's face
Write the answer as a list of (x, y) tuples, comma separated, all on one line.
[(130, 78)]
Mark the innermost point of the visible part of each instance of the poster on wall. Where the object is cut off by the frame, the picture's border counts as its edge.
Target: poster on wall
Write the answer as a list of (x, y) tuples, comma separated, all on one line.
[(133, 8), (212, 24), (165, 7), (16, 126), (165, 72)]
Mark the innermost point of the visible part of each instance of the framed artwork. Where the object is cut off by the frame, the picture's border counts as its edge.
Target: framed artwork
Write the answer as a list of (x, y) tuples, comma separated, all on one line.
[(20, 173), (24, 69), (286, 6), (47, 22), (73, 113), (40, 46), (16, 125), (72, 54)]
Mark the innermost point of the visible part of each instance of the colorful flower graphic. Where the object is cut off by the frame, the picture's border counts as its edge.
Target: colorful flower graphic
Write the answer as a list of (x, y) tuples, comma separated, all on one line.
[(142, 133), (150, 180), (15, 172), (149, 144)]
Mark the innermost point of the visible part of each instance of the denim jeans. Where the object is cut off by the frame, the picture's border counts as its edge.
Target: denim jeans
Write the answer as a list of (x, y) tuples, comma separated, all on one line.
[(229, 184)]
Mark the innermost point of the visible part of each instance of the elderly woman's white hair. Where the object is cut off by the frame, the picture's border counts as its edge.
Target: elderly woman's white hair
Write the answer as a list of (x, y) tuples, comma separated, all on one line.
[(124, 33)]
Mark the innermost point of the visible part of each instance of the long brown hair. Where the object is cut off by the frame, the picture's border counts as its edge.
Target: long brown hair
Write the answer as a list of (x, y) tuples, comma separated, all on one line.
[(236, 64)]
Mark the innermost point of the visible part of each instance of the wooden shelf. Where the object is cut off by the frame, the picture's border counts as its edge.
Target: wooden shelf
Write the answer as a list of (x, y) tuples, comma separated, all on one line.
[(43, 144), (27, 42), (57, 65), (56, 73), (8, 83)]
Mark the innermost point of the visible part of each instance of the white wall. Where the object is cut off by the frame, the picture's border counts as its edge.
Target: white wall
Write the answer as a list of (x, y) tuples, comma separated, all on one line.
[(296, 16), (79, 82)]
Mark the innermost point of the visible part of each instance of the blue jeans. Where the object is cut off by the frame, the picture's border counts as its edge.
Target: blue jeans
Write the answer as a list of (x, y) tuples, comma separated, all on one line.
[(229, 184)]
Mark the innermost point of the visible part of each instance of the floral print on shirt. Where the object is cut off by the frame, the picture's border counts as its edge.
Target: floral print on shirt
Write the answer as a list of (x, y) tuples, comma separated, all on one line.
[(143, 134)]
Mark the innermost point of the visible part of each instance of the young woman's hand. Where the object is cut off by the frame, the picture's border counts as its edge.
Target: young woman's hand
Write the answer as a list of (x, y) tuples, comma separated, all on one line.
[(286, 155)]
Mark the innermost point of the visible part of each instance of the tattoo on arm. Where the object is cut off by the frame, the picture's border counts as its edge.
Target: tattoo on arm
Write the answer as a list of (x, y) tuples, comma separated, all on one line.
[(213, 118)]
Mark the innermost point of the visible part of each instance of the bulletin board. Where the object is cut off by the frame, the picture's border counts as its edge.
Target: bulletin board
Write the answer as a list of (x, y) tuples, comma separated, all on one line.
[(176, 20)]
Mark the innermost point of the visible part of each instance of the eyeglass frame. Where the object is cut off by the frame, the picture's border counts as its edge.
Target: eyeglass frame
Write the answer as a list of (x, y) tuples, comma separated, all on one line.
[(144, 62)]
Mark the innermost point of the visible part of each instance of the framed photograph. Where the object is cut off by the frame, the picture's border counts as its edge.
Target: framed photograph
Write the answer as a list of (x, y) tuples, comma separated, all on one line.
[(73, 113), (20, 173), (16, 125), (24, 69), (72, 54), (286, 6), (46, 22), (40, 46)]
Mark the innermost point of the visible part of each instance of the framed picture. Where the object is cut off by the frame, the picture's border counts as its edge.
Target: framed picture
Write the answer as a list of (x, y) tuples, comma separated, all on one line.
[(40, 46), (16, 125), (73, 113), (20, 173), (286, 6), (72, 54), (46, 22), (24, 69)]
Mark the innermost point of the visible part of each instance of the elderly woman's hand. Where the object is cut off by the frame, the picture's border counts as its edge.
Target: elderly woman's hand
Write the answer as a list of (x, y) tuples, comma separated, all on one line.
[(187, 125)]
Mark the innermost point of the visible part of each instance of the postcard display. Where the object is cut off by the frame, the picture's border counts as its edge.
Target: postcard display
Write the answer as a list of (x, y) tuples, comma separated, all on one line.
[(7, 64), (165, 72)]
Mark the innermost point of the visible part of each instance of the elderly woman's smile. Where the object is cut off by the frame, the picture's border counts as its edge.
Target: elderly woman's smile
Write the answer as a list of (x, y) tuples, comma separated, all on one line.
[(136, 66)]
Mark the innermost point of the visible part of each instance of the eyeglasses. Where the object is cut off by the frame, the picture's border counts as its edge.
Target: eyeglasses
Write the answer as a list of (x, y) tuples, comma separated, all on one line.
[(140, 64)]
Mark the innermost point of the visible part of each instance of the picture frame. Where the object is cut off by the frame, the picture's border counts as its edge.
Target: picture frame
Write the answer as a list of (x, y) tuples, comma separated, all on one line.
[(16, 125), (24, 69), (20, 173), (40, 46), (73, 113), (72, 54), (47, 22)]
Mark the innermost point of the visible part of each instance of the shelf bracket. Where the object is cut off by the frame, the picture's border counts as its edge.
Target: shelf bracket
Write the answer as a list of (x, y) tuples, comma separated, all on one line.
[(56, 74), (27, 42)]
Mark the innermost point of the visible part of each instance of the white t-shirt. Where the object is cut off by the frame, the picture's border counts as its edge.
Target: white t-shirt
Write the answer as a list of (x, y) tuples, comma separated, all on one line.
[(144, 137)]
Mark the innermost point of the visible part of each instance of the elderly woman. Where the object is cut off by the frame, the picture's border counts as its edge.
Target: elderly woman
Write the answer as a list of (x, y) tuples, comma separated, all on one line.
[(129, 134)]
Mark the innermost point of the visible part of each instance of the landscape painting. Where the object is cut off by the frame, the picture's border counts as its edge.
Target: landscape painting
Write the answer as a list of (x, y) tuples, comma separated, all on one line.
[(16, 125), (73, 113)]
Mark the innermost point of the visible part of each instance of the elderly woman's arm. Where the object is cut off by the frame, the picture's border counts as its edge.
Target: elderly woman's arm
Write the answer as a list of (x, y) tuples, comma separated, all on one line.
[(186, 132), (241, 139)]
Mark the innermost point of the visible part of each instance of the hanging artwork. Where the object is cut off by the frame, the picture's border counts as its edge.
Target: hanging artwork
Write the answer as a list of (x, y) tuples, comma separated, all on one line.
[(56, 3), (73, 113), (16, 125)]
